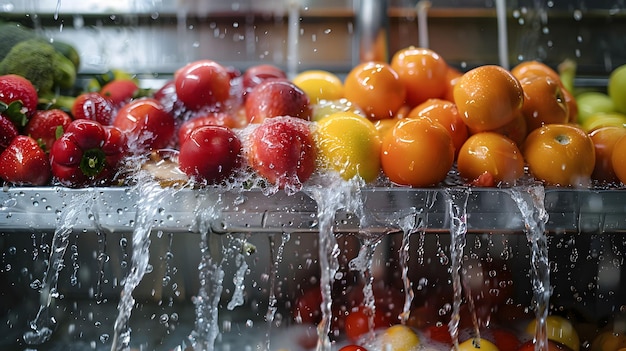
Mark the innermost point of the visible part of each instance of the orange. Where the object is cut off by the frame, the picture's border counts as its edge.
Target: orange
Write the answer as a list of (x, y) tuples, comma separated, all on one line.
[(604, 140), (492, 154), (488, 97), (618, 159), (515, 130), (383, 126), (376, 88), (560, 154), (417, 152), (445, 113), (534, 68), (452, 76), (544, 101), (422, 71)]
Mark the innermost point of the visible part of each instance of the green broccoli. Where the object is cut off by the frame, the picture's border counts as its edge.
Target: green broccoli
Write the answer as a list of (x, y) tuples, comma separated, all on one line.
[(39, 62), (12, 33)]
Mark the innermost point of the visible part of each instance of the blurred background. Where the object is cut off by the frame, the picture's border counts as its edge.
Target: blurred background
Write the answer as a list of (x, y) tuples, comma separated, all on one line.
[(158, 36)]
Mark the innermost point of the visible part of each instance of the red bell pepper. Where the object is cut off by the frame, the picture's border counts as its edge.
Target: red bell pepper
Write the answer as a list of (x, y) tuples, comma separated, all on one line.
[(87, 154)]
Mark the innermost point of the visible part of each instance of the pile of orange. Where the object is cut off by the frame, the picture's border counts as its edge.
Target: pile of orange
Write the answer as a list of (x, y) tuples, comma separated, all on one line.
[(495, 125)]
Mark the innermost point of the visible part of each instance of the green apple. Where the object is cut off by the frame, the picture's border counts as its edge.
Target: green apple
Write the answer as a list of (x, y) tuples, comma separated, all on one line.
[(602, 120), (593, 102), (617, 88)]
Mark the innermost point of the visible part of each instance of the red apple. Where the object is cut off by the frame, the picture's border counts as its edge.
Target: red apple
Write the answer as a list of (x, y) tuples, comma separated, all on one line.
[(202, 83), (273, 98), (211, 118), (210, 153), (255, 75), (282, 150)]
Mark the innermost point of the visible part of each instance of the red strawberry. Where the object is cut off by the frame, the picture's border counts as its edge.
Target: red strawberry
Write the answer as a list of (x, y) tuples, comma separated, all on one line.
[(46, 126), (18, 98), (24, 162), (14, 87), (95, 107), (8, 131)]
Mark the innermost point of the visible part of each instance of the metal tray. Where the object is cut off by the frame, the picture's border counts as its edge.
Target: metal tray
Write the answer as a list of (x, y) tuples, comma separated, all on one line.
[(115, 209)]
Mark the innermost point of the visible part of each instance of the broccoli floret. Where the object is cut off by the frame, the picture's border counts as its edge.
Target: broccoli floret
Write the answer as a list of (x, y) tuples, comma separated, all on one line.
[(39, 62), (12, 33)]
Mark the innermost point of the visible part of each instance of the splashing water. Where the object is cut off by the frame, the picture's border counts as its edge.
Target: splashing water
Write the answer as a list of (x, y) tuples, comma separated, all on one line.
[(210, 274), (409, 225), (535, 217), (151, 194), (277, 255), (332, 194), (43, 324), (457, 209), (363, 263)]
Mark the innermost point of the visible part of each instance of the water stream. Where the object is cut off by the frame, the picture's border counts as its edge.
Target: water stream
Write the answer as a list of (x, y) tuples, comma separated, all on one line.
[(151, 196), (44, 324), (456, 200), (332, 195), (535, 217)]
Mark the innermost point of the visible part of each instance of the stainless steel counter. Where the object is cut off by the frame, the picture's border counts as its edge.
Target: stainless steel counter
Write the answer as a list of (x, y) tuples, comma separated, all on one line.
[(488, 210)]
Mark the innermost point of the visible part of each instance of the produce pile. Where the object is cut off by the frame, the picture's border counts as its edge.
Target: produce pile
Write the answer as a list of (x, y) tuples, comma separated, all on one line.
[(410, 122)]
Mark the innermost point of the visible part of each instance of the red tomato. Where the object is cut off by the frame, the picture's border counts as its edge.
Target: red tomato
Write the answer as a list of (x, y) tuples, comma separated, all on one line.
[(552, 346), (439, 333), (504, 339), (93, 106), (307, 307), (148, 125), (120, 91), (357, 323)]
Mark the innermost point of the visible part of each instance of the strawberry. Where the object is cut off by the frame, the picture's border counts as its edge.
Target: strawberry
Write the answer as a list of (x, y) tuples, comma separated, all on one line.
[(18, 98), (8, 131), (46, 126), (24, 162)]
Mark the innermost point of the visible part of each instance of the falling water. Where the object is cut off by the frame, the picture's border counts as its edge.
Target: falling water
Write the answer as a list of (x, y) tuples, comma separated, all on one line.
[(363, 263), (293, 32), (457, 209), (503, 45), (210, 274), (277, 257), (331, 195), (409, 225), (535, 218), (43, 324), (150, 196)]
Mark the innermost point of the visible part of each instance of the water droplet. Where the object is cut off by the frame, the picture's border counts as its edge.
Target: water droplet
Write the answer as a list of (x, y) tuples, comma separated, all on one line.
[(578, 15)]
